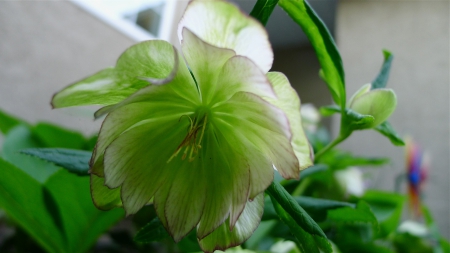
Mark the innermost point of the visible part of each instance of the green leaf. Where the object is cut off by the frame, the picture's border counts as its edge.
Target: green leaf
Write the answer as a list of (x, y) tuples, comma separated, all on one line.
[(387, 208), (263, 9), (318, 208), (382, 78), (357, 121), (337, 159), (20, 138), (8, 122), (75, 161), (153, 231), (319, 36), (315, 207), (348, 215), (329, 110), (52, 205), (307, 242), (387, 130), (22, 197), (53, 136), (290, 205), (313, 170)]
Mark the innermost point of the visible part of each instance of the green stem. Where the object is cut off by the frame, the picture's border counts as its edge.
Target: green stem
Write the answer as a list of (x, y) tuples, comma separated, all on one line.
[(331, 145), (263, 9)]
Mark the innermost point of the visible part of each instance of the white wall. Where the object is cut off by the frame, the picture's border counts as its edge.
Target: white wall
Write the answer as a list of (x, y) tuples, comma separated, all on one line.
[(417, 33), (45, 46)]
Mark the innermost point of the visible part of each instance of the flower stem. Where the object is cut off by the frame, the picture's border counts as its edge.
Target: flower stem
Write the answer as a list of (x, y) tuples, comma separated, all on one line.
[(331, 145)]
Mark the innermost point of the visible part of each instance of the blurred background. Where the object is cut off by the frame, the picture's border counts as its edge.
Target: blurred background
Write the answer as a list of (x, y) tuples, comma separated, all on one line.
[(47, 45)]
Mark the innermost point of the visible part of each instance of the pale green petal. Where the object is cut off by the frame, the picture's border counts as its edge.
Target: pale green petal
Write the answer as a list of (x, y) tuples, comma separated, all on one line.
[(289, 102), (103, 197), (379, 103), (246, 118), (207, 190), (205, 62), (137, 158), (223, 237), (222, 24), (241, 74), (153, 59), (363, 90)]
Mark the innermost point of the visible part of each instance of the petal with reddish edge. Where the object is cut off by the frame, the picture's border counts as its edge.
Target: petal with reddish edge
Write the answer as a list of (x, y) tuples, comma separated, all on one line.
[(248, 118), (289, 102), (223, 237), (153, 59), (227, 175), (137, 159), (205, 61), (161, 103), (103, 197), (222, 24)]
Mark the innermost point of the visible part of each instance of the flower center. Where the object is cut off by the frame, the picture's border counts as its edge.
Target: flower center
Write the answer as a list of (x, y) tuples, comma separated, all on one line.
[(190, 144)]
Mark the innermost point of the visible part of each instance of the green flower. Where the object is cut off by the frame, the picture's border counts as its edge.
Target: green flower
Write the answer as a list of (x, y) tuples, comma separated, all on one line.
[(379, 103), (201, 140)]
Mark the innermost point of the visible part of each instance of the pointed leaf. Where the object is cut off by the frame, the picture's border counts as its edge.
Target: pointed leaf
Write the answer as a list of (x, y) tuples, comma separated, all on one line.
[(387, 130), (382, 78), (75, 161), (306, 241), (329, 110), (322, 41), (22, 197), (262, 10), (290, 205)]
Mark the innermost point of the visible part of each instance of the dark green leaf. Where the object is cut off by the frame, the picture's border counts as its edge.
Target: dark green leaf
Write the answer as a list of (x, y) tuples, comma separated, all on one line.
[(290, 205), (313, 170), (22, 197), (75, 161), (362, 214), (318, 208), (322, 41), (329, 110), (153, 231), (263, 9), (8, 122), (382, 78), (387, 130), (337, 159), (357, 121), (306, 242), (387, 207), (52, 136)]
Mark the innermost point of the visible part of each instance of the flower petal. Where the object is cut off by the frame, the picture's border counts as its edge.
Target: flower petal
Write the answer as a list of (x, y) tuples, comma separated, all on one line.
[(153, 59), (224, 237), (103, 197), (137, 158), (363, 90), (379, 103), (222, 24), (247, 118), (205, 61), (289, 102), (241, 74)]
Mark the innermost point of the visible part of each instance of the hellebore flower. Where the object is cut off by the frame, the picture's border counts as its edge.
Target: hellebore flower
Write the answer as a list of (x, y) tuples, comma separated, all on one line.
[(379, 103), (201, 140)]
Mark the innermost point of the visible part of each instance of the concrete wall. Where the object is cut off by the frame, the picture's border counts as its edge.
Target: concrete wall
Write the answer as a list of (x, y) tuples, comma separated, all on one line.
[(45, 46), (417, 33)]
